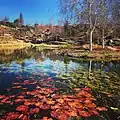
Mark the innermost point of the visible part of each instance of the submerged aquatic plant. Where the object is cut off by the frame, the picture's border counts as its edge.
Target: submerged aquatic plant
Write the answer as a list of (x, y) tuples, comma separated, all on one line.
[(105, 82)]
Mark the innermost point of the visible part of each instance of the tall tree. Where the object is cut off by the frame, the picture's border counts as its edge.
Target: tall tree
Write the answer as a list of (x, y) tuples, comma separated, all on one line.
[(115, 13), (103, 19), (16, 22), (6, 19), (84, 12), (21, 19)]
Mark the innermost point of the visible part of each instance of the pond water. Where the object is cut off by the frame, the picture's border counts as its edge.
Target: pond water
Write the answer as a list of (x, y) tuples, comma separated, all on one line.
[(57, 72)]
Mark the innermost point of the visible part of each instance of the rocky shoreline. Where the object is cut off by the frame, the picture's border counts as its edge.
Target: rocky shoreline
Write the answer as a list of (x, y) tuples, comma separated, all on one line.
[(79, 53)]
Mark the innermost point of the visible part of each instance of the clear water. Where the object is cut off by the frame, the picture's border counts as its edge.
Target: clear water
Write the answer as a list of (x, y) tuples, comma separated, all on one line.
[(31, 64)]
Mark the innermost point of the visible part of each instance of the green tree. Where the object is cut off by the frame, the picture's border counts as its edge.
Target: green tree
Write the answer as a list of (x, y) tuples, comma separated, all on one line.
[(16, 22), (6, 19), (21, 19)]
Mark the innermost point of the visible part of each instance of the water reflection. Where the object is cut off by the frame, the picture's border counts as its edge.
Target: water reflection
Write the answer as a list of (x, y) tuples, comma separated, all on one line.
[(29, 61), (89, 68)]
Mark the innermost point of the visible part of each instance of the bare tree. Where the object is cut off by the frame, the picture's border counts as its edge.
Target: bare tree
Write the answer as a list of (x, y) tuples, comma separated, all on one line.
[(103, 19), (90, 12), (115, 14), (92, 25)]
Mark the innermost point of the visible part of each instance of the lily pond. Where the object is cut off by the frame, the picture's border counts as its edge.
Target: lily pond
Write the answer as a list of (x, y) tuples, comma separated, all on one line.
[(41, 85)]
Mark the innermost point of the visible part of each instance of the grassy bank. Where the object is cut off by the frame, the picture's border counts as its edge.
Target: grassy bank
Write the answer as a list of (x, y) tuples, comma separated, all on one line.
[(7, 42), (52, 47), (14, 46)]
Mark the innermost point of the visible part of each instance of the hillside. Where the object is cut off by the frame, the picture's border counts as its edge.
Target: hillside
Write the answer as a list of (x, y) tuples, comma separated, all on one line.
[(9, 38)]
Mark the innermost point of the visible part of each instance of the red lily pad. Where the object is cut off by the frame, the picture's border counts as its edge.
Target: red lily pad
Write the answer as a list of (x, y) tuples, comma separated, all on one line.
[(2, 96), (45, 106), (5, 100), (71, 112), (94, 112), (38, 104), (23, 117), (56, 106), (46, 118), (86, 89), (72, 104), (50, 102), (34, 111), (22, 108), (101, 109), (59, 114), (87, 101), (19, 100), (84, 113), (27, 103), (60, 101), (12, 115), (90, 105), (20, 97), (16, 87), (12, 96)]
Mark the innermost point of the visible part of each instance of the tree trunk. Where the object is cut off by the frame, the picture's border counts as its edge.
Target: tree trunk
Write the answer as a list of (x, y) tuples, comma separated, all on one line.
[(103, 39), (91, 37)]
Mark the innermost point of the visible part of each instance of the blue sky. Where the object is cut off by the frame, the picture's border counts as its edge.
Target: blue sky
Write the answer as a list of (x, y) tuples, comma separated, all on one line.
[(34, 11)]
